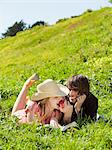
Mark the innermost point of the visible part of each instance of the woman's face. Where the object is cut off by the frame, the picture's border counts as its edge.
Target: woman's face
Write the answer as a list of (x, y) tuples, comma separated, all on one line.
[(73, 95), (54, 102)]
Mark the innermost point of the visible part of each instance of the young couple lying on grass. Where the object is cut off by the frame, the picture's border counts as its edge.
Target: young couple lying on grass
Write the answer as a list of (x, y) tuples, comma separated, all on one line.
[(55, 104)]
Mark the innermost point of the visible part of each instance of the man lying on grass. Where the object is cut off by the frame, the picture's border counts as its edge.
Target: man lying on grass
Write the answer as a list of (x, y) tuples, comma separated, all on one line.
[(52, 105), (81, 102)]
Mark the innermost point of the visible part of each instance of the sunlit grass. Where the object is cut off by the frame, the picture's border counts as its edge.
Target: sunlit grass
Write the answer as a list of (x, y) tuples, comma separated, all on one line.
[(81, 45)]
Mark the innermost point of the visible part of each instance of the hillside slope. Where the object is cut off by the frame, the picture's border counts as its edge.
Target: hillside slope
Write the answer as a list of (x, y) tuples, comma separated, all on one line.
[(77, 45)]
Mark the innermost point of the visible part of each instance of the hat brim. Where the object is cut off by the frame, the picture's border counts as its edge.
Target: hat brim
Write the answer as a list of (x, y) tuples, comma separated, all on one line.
[(64, 91)]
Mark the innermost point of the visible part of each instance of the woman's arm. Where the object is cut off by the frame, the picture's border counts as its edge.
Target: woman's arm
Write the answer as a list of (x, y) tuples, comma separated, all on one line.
[(22, 97), (67, 109), (55, 119), (21, 100)]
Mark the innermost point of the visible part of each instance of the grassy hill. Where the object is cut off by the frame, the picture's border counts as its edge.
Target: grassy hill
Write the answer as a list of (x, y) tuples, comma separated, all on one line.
[(79, 45)]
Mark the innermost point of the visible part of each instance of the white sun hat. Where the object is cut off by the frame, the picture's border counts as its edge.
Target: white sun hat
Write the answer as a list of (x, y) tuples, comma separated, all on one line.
[(49, 88)]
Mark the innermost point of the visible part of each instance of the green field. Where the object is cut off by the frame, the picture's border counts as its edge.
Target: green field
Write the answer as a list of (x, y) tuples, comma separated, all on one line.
[(79, 45)]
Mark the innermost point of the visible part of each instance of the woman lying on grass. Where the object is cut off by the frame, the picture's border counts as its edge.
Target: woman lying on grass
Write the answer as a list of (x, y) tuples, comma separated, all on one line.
[(51, 104), (44, 104), (81, 102)]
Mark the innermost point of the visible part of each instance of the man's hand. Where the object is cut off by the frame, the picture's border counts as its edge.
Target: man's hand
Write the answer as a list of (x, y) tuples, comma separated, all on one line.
[(80, 101)]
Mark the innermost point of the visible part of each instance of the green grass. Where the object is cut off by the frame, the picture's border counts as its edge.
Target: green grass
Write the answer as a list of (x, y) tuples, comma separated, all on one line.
[(77, 45)]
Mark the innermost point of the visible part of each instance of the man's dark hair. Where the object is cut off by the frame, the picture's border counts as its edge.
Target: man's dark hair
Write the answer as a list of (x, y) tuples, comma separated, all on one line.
[(79, 83)]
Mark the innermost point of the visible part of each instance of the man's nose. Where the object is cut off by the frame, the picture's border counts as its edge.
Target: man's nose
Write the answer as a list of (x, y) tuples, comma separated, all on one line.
[(71, 92)]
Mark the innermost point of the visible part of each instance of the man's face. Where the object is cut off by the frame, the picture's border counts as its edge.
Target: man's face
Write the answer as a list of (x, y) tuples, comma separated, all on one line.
[(73, 95)]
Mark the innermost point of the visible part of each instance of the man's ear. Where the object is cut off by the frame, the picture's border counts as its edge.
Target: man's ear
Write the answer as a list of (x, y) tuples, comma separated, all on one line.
[(78, 95)]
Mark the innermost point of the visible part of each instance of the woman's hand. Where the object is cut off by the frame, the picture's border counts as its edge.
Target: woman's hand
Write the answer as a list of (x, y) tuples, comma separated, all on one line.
[(64, 106), (54, 123), (67, 109), (31, 80)]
